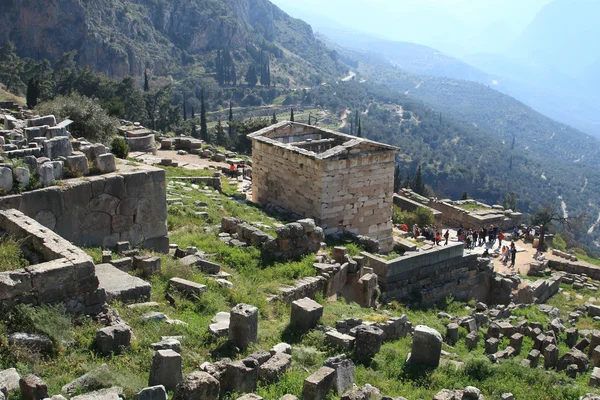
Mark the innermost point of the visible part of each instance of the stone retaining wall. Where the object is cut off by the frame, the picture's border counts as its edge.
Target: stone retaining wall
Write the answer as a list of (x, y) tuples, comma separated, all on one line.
[(99, 211), (66, 275), (575, 267), (456, 216), (410, 205), (430, 276)]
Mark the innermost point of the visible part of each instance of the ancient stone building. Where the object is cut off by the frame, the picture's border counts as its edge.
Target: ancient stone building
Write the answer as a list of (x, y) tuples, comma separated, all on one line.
[(343, 182)]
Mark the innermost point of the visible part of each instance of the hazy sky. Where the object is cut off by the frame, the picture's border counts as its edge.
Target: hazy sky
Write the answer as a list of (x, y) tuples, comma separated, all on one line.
[(449, 24)]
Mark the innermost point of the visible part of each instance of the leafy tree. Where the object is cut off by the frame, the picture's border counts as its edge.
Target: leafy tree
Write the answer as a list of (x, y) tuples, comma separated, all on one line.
[(11, 67), (274, 118), (64, 74), (510, 201), (251, 77), (559, 243), (132, 99), (424, 216), (220, 134), (292, 114), (203, 125), (90, 120), (243, 129)]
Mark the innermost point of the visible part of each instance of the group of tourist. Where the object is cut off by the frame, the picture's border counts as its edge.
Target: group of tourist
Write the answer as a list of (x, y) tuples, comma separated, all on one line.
[(233, 170), (431, 233)]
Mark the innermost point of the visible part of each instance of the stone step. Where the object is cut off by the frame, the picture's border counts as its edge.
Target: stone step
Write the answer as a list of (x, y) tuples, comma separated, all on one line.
[(121, 286)]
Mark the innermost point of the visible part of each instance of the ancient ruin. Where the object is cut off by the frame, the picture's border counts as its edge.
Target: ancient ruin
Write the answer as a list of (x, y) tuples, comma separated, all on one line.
[(343, 182)]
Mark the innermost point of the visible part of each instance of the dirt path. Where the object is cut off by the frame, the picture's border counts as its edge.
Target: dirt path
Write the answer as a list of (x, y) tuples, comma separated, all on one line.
[(344, 118), (350, 75), (188, 161)]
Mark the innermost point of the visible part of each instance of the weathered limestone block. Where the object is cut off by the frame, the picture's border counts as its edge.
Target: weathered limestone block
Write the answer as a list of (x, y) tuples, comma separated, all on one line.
[(113, 338), (121, 286), (106, 163), (452, 333), (550, 356), (9, 379), (32, 342), (491, 345), (90, 381), (6, 179), (344, 372), (112, 393), (220, 324), (22, 176), (49, 120), (240, 376), (243, 325), (167, 344), (46, 175), (33, 388), (77, 164), (595, 377), (368, 342), (197, 386), (187, 287), (58, 147), (151, 393), (148, 265), (276, 366), (573, 357), (426, 346), (339, 340), (305, 314), (319, 384), (166, 369)]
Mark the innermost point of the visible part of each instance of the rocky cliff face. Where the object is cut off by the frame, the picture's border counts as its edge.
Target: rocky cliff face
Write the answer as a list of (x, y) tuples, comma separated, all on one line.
[(123, 37)]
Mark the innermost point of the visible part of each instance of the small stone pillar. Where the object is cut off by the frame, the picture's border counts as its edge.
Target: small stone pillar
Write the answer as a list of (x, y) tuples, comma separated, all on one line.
[(243, 325)]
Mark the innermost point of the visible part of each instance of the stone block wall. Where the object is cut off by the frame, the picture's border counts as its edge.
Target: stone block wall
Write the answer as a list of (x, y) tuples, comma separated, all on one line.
[(430, 276), (575, 267), (357, 196), (410, 205), (99, 211), (456, 216), (66, 275)]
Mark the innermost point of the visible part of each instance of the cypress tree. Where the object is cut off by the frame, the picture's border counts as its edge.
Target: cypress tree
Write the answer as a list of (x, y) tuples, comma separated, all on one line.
[(194, 131), (309, 117), (251, 78), (232, 74), (292, 115), (32, 93), (146, 82), (203, 126), (274, 118), (418, 186), (232, 138), (512, 146), (193, 115), (359, 131), (219, 64), (397, 179), (510, 164), (184, 109), (356, 119), (220, 134), (406, 183)]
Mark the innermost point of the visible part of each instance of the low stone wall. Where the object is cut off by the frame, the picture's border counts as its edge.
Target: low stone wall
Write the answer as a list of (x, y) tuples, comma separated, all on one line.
[(99, 211), (66, 276), (575, 267), (456, 216), (293, 239), (212, 181), (411, 205), (430, 276)]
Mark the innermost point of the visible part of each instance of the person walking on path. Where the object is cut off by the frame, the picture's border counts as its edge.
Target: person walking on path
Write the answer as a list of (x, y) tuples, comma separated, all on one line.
[(232, 170), (513, 255), (446, 236), (500, 238)]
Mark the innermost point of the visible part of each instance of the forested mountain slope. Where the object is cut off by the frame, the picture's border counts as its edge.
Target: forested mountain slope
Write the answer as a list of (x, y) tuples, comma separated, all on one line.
[(121, 37)]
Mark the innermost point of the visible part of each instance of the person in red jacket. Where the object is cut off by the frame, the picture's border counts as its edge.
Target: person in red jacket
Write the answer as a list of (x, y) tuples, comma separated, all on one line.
[(500, 238)]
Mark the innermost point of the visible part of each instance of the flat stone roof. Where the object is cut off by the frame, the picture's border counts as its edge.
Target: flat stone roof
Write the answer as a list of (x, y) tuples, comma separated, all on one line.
[(294, 137)]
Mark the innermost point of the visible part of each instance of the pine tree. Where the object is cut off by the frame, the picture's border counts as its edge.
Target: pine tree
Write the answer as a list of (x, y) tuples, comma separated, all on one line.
[(251, 78), (220, 134), (203, 126), (184, 109), (406, 183), (11, 67), (146, 82), (359, 131), (274, 118), (33, 92), (292, 115), (417, 185)]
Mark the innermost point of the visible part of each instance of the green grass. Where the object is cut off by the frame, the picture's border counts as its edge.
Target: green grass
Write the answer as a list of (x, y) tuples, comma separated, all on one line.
[(254, 278), (11, 256), (471, 207)]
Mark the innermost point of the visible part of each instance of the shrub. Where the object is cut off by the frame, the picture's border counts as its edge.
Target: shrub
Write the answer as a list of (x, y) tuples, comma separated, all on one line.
[(424, 216), (119, 147), (90, 120), (559, 243)]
